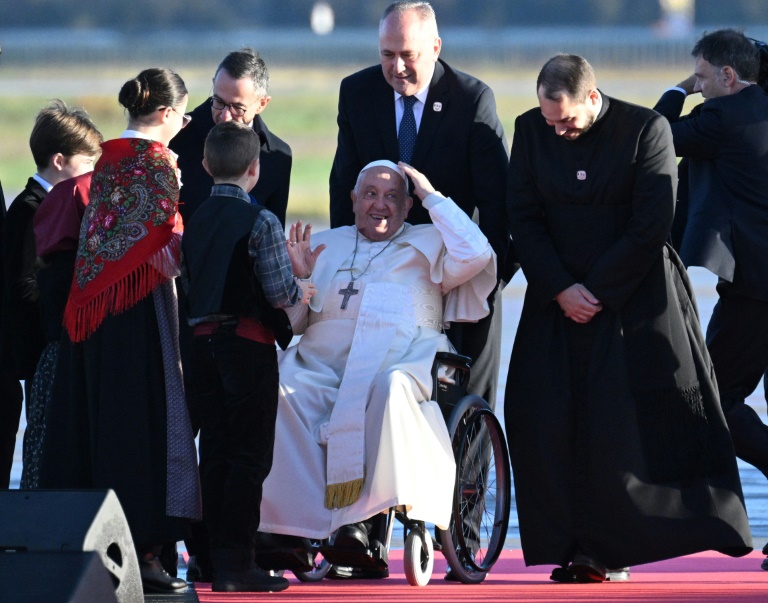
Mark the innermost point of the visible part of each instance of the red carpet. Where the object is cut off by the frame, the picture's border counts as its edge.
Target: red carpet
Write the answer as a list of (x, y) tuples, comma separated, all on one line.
[(706, 577)]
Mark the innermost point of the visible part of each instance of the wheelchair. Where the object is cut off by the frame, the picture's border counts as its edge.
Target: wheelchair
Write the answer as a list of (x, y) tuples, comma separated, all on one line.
[(480, 506)]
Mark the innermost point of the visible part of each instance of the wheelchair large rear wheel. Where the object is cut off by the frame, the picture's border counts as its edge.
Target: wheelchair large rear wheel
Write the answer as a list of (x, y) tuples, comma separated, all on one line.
[(478, 528)]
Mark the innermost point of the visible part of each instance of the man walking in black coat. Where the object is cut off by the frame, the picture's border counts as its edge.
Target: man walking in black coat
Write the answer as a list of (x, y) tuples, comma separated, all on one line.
[(726, 229), (414, 107)]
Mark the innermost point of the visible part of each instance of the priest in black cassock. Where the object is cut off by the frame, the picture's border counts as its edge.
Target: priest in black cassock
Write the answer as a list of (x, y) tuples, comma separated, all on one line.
[(620, 452)]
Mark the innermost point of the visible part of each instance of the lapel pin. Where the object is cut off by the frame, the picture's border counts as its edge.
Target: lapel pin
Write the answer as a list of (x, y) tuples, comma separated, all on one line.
[(437, 107), (581, 175)]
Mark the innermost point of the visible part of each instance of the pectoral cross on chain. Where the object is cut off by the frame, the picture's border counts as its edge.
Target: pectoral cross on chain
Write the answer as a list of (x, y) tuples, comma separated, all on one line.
[(348, 292)]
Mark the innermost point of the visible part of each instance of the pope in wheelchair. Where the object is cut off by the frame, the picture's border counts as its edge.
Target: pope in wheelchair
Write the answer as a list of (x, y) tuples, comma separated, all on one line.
[(357, 432)]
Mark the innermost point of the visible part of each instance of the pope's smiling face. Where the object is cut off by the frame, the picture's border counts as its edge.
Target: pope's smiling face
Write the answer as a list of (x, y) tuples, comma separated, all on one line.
[(380, 203)]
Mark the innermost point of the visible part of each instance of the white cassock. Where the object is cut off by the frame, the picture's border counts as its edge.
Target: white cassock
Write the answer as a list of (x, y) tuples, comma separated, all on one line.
[(354, 401)]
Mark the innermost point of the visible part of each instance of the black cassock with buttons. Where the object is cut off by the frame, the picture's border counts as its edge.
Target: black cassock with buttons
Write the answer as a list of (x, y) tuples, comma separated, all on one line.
[(618, 444)]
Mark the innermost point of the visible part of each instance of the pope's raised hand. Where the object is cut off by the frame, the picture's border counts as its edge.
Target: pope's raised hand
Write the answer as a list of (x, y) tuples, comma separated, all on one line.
[(302, 256), (421, 185)]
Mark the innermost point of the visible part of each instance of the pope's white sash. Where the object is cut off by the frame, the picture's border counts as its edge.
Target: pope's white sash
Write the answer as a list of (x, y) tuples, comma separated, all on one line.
[(381, 312)]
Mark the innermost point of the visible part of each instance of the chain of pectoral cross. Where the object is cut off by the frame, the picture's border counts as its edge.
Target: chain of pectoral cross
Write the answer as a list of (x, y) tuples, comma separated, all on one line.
[(350, 290)]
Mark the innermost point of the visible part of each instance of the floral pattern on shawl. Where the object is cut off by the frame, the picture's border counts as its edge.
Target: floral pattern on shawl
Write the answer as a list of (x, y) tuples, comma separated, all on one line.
[(127, 245), (125, 198)]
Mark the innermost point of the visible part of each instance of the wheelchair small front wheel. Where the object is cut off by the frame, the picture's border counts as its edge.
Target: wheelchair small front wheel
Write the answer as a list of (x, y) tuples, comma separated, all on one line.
[(418, 557)]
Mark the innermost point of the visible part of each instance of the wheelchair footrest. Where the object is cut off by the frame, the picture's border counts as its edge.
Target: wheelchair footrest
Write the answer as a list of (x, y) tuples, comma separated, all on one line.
[(373, 557), (293, 559)]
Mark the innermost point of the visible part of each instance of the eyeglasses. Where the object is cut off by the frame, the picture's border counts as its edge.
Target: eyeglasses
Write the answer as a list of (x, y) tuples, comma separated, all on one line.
[(234, 109), (185, 119)]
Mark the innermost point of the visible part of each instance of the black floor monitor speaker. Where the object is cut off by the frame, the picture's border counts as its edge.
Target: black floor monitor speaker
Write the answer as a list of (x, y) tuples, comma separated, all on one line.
[(55, 578), (71, 521)]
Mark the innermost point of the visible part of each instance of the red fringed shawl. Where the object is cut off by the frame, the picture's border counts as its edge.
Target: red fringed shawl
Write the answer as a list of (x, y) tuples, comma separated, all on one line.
[(126, 227)]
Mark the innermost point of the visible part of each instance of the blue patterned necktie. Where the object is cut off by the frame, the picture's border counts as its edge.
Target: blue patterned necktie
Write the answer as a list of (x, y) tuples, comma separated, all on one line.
[(406, 136)]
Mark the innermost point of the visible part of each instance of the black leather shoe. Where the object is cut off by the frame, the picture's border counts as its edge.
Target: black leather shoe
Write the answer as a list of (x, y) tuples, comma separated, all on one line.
[(353, 535), (197, 572), (584, 569), (563, 575), (252, 580), (154, 579), (587, 569)]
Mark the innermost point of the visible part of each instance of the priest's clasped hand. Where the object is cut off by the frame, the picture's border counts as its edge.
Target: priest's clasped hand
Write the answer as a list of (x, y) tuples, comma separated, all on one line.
[(578, 303)]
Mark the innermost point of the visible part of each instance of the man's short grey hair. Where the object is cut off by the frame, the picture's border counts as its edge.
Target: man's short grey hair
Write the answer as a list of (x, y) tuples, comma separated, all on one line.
[(424, 10), (566, 74), (246, 62)]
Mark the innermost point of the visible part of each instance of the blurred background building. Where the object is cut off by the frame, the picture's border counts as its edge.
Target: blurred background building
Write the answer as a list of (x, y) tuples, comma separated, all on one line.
[(310, 32)]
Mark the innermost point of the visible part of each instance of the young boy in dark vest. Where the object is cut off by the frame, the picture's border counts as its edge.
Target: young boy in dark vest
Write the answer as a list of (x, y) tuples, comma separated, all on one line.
[(239, 277)]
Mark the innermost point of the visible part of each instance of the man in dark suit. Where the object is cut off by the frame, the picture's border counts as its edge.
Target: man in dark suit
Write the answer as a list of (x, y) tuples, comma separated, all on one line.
[(726, 229), (459, 145), (240, 93)]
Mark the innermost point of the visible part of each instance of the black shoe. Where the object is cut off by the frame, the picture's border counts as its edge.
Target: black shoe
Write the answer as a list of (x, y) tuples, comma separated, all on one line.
[(587, 569), (352, 536), (583, 569), (154, 579), (252, 580), (452, 576), (197, 572), (281, 552), (563, 575), (340, 572)]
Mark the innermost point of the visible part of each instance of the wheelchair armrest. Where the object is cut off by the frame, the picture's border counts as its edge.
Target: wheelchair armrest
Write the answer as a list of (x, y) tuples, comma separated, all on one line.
[(453, 360), (447, 391)]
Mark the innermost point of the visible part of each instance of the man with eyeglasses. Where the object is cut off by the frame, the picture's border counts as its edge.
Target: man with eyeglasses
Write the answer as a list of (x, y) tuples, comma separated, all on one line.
[(240, 93)]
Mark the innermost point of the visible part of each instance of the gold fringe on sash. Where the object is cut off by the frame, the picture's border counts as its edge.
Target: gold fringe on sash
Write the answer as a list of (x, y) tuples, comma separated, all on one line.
[(343, 494)]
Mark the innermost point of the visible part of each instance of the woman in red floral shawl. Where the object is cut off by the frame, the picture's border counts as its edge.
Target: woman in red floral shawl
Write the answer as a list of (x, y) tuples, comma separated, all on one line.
[(122, 314)]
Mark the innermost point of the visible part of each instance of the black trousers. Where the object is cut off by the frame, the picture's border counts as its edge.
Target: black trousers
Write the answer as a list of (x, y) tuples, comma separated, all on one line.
[(481, 341), (236, 381), (11, 399), (737, 338)]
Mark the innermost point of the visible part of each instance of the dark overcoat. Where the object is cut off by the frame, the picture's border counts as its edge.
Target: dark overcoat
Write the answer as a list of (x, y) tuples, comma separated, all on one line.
[(275, 159), (618, 443), (23, 334), (725, 142)]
